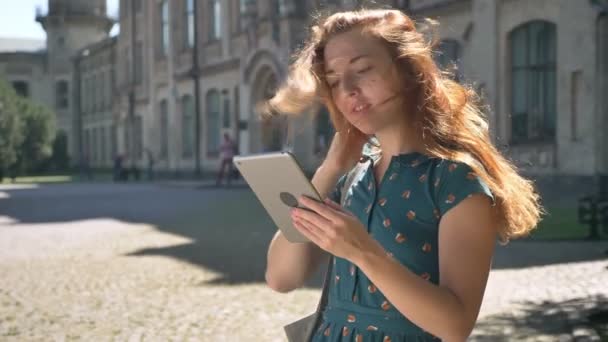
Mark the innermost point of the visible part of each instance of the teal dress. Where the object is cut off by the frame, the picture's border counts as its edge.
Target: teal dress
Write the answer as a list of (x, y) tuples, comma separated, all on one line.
[(403, 214)]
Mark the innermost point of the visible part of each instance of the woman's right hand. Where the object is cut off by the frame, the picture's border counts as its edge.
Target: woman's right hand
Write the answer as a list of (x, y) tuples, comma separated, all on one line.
[(345, 150)]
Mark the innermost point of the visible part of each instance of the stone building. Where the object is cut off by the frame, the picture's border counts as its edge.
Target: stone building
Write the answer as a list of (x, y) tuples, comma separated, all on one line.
[(46, 75), (541, 65), (93, 104), (543, 68)]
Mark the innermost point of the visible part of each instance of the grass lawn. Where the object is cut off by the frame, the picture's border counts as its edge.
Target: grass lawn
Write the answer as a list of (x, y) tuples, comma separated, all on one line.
[(49, 179), (561, 224)]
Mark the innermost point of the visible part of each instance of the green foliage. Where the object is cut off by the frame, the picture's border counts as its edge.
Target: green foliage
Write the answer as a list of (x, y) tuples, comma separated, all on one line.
[(27, 131), (11, 131)]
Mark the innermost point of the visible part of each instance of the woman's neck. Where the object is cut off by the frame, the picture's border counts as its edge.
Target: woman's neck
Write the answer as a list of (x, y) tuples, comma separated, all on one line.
[(399, 139)]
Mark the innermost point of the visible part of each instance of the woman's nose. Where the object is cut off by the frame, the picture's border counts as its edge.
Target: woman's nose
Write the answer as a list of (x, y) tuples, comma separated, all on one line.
[(349, 85)]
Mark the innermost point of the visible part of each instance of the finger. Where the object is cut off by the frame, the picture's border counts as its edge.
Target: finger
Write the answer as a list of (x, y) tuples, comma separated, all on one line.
[(312, 217), (308, 230), (320, 208), (334, 205), (338, 207)]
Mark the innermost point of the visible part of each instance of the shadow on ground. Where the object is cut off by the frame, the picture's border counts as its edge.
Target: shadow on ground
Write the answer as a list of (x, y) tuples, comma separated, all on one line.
[(229, 229), (547, 321)]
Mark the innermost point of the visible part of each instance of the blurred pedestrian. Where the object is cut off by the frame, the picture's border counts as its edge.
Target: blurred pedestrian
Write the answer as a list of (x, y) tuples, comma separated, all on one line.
[(151, 162), (226, 155)]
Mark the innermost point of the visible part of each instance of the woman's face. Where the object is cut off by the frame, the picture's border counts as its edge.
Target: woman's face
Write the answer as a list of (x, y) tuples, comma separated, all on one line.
[(363, 81)]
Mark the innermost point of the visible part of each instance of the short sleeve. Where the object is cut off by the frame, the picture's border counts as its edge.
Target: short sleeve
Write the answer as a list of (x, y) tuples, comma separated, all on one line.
[(336, 193), (457, 181)]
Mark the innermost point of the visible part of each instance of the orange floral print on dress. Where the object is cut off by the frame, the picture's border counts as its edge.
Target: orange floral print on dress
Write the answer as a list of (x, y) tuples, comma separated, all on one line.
[(386, 305), (400, 238)]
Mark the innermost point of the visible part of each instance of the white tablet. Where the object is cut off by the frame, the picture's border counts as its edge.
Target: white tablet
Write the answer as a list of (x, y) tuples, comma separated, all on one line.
[(278, 181)]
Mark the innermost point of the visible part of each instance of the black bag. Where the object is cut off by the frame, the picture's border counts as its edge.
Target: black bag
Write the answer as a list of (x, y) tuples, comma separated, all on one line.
[(303, 329)]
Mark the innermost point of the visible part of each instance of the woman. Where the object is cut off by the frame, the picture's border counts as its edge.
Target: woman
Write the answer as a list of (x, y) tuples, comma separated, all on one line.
[(414, 239)]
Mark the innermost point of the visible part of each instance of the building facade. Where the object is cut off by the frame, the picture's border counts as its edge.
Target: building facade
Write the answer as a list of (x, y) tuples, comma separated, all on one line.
[(45, 76), (540, 65)]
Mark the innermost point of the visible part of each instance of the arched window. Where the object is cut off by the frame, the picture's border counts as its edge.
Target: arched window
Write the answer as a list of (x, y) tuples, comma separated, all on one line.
[(213, 122), (533, 84), (188, 128)]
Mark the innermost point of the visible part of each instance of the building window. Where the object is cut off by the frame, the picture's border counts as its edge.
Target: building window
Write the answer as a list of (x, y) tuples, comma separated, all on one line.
[(61, 94), (102, 144), (138, 136), (164, 27), (227, 119), (164, 129), (213, 122), (275, 22), (215, 20), (87, 144), (188, 128), (139, 63), (113, 142), (448, 56), (21, 88), (94, 145), (533, 84), (189, 28)]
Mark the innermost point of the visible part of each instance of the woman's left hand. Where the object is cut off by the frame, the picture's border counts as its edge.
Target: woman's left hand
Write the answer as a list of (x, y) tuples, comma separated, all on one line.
[(331, 228)]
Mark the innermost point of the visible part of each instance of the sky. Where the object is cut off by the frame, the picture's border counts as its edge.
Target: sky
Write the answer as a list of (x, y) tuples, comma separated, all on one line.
[(18, 18)]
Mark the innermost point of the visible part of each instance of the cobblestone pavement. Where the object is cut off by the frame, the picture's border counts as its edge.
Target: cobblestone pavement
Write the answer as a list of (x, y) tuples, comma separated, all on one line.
[(111, 262)]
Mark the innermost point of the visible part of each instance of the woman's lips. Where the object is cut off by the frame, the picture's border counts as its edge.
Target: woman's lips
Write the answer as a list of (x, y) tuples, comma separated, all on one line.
[(360, 109)]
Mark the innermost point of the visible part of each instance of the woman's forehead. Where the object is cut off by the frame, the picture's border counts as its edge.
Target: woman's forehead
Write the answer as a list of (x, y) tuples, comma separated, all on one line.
[(344, 47)]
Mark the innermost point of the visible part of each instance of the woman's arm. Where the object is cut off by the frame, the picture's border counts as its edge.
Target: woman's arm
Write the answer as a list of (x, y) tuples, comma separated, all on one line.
[(289, 265), (467, 236)]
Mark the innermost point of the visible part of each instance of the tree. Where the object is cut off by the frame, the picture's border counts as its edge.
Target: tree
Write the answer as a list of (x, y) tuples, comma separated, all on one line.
[(26, 132), (11, 132), (38, 135)]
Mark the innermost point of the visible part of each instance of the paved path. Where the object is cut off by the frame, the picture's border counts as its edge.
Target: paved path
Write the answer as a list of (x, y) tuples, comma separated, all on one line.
[(105, 262)]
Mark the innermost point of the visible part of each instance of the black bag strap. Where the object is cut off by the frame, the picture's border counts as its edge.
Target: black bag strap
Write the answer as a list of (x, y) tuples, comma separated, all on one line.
[(348, 182)]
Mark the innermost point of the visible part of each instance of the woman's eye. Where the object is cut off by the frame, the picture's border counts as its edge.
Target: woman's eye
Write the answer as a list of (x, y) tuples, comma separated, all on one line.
[(365, 70), (332, 85)]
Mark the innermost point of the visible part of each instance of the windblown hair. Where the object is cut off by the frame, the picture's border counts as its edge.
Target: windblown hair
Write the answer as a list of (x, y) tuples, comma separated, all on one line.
[(448, 114)]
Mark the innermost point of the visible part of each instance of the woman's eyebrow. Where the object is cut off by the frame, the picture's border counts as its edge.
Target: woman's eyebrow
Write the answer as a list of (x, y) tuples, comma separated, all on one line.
[(352, 60)]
